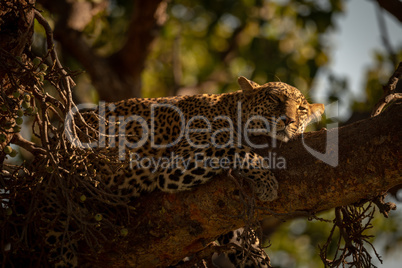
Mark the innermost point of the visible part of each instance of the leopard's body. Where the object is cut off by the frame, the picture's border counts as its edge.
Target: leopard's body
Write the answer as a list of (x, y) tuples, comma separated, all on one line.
[(188, 132), (185, 132)]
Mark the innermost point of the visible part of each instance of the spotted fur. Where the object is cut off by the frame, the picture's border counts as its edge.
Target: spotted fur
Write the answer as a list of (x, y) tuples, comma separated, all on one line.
[(244, 252), (286, 109)]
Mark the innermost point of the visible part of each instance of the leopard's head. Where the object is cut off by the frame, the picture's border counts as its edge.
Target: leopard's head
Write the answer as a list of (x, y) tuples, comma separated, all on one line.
[(285, 109)]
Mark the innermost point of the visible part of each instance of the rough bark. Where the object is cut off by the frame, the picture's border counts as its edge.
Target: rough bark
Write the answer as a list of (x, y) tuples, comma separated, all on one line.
[(170, 226)]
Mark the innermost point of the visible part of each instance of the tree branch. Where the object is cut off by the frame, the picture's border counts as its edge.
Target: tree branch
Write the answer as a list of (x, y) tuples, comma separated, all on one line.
[(389, 93), (27, 145), (392, 6), (167, 227)]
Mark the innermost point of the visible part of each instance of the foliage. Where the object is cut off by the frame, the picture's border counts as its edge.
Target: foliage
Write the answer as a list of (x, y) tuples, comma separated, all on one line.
[(213, 42), (376, 76)]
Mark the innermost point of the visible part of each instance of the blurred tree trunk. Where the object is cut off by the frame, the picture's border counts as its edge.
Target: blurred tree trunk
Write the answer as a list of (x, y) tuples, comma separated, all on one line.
[(118, 76)]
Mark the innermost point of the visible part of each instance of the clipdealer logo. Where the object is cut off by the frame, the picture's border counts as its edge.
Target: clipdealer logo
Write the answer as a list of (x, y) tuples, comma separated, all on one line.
[(112, 131)]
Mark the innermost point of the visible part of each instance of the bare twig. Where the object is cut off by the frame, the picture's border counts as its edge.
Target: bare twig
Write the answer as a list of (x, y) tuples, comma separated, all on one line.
[(389, 94), (385, 208), (27, 145), (50, 45)]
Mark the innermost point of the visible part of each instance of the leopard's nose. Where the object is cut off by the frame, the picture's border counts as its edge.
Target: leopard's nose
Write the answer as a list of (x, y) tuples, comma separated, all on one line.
[(289, 120)]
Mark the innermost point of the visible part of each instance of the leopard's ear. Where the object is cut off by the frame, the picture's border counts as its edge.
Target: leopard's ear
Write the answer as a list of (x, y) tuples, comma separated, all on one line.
[(246, 84), (317, 109)]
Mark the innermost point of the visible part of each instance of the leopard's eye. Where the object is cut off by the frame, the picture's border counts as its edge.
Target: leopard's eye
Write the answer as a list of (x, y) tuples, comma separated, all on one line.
[(301, 108), (275, 98)]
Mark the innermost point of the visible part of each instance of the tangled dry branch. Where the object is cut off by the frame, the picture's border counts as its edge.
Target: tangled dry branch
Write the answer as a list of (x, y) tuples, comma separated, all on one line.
[(58, 183), (351, 223)]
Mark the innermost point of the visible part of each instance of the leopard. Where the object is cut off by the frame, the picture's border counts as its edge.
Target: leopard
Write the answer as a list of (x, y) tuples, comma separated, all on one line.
[(177, 143), (200, 127)]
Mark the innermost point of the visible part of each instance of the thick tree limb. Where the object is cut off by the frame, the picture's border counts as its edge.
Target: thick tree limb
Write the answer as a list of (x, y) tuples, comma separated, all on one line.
[(166, 227)]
